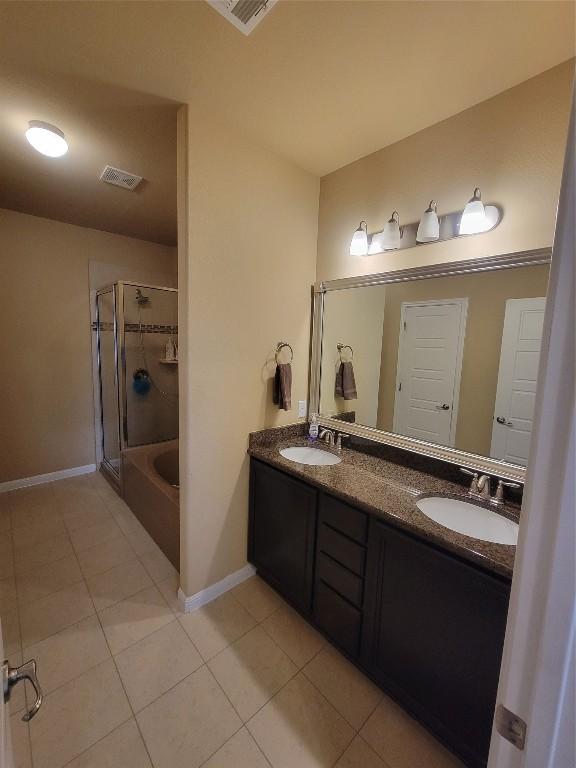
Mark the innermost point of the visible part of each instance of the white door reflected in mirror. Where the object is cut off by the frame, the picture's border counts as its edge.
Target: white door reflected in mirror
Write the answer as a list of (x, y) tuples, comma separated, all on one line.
[(429, 369), (517, 379)]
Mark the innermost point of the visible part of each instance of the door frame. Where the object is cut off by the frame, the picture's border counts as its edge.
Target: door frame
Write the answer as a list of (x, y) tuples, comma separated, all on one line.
[(463, 303), (536, 677)]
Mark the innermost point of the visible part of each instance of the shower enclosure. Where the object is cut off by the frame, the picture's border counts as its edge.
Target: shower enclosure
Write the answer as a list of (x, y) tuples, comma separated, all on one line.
[(137, 342)]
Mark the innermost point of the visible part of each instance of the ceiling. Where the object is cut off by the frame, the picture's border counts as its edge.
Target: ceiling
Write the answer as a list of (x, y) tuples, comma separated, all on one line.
[(103, 125), (321, 83)]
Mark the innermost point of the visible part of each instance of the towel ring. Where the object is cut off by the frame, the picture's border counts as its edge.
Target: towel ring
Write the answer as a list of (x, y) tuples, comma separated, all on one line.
[(279, 347), (341, 348)]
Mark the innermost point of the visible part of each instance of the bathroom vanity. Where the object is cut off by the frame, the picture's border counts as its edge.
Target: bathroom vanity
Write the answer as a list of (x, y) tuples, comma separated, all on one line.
[(419, 608)]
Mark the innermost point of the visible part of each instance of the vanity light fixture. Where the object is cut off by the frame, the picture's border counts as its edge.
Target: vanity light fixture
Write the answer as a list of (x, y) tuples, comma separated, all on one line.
[(429, 226), (359, 242), (46, 139), (391, 234), (474, 218)]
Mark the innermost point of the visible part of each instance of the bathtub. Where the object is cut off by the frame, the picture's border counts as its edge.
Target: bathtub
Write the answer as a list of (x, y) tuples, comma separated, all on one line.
[(150, 488)]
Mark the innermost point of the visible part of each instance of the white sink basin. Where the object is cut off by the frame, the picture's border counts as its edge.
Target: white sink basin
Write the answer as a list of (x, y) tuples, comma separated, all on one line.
[(315, 456), (469, 519)]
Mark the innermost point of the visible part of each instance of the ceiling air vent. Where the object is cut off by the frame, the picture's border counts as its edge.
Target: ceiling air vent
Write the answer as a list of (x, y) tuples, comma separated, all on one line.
[(244, 14), (120, 178)]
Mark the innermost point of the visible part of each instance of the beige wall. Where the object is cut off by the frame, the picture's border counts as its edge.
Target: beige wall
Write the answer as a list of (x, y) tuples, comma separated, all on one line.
[(247, 257), (511, 146), (487, 294), (47, 412), (250, 262), (353, 317)]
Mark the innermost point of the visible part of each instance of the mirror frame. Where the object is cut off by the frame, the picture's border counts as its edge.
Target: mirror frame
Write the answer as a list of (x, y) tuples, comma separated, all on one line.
[(476, 462)]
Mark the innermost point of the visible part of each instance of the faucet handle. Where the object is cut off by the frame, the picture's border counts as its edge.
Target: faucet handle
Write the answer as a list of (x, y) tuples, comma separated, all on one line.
[(499, 495), (339, 440), (474, 482)]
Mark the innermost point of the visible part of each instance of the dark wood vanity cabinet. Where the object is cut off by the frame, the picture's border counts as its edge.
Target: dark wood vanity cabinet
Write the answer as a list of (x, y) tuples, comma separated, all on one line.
[(433, 635), (282, 531), (425, 625)]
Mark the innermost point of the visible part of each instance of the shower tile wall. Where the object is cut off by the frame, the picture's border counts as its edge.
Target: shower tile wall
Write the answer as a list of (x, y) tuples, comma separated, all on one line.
[(151, 417)]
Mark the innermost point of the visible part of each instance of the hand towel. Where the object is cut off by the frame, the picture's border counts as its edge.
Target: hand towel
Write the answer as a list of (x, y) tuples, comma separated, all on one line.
[(282, 390), (345, 383)]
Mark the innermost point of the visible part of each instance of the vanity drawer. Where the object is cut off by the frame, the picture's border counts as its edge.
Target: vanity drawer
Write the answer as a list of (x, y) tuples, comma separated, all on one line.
[(340, 620), (344, 518), (340, 579), (342, 549)]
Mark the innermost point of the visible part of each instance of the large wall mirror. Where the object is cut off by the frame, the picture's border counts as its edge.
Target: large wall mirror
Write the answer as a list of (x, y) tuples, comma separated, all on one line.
[(440, 360)]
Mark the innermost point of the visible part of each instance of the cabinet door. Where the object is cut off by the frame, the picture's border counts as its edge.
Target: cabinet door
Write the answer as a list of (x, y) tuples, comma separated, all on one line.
[(433, 637), (282, 532)]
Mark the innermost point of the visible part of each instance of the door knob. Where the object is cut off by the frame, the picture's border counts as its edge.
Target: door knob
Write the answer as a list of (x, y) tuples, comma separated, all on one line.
[(505, 422), (443, 407), (13, 675)]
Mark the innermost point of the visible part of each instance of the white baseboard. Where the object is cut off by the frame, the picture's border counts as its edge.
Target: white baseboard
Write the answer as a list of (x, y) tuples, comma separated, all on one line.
[(25, 482), (190, 603)]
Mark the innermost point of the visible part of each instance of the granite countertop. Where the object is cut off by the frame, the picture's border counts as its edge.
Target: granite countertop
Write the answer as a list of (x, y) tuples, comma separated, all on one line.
[(386, 489)]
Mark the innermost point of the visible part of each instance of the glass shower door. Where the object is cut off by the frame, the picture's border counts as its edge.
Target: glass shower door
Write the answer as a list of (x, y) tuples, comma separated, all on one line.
[(107, 369), (150, 324)]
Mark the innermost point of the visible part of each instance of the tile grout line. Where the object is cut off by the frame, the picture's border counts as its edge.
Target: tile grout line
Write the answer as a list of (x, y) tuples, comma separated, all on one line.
[(355, 732), (121, 683), (111, 655), (84, 581), (125, 693)]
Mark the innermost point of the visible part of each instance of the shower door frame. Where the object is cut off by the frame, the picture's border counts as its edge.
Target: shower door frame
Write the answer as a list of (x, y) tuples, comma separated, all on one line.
[(109, 468), (117, 289)]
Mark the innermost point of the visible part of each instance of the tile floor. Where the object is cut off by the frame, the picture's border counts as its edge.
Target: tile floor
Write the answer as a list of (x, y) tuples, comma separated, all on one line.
[(131, 682)]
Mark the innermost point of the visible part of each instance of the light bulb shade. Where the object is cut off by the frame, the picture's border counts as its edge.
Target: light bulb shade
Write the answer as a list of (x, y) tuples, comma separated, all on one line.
[(375, 244), (359, 242), (391, 233), (474, 218), (429, 226), (46, 139)]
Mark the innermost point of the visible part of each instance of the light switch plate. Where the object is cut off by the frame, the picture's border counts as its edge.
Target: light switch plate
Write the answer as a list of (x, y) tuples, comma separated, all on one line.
[(302, 407)]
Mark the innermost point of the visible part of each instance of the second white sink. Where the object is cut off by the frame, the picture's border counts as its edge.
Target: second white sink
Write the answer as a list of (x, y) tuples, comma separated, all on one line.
[(470, 519), (313, 456)]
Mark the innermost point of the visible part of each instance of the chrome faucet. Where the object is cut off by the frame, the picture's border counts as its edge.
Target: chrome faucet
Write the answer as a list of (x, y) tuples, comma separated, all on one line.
[(328, 436), (480, 488), (484, 487)]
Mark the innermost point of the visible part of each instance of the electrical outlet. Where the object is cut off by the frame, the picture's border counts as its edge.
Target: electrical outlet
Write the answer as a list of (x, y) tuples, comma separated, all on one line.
[(302, 407)]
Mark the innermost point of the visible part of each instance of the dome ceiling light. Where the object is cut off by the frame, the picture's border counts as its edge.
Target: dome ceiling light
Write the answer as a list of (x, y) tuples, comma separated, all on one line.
[(46, 139)]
